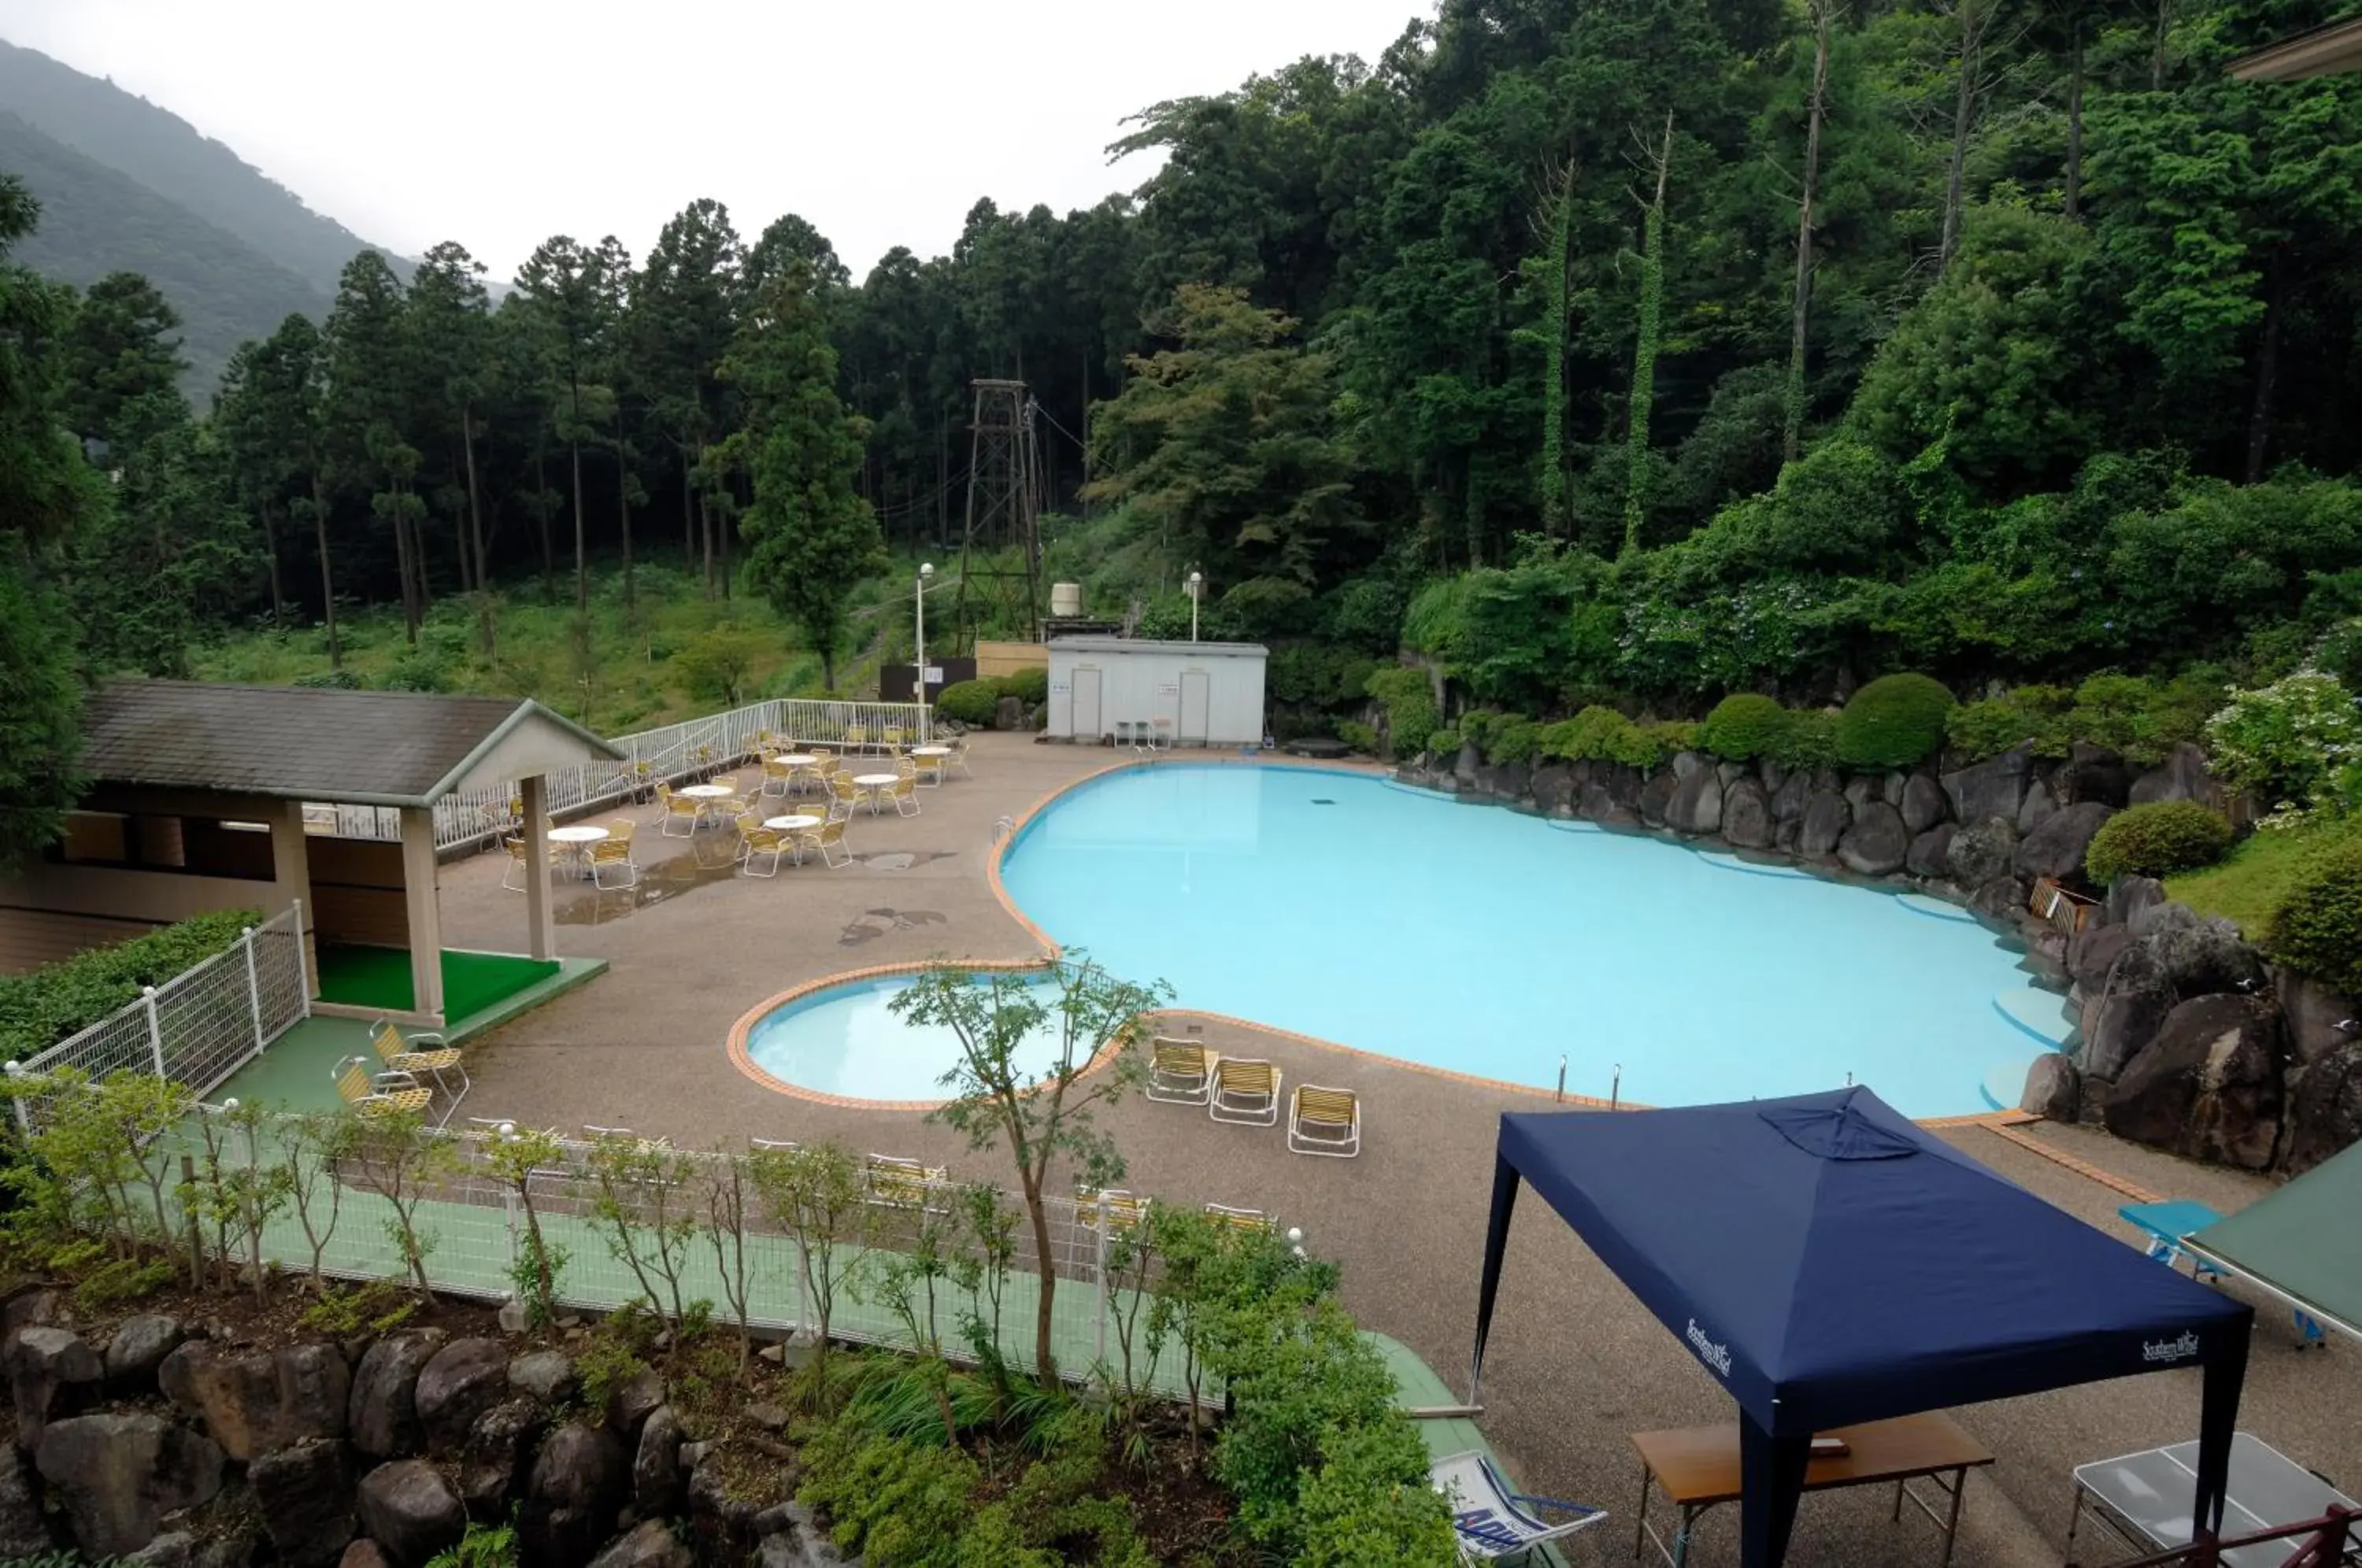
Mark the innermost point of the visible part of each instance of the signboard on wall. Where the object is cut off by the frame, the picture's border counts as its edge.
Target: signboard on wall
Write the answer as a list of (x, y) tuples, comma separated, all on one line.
[(899, 682), (1168, 689)]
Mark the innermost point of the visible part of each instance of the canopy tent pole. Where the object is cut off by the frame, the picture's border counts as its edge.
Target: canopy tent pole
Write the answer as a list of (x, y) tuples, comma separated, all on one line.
[(1771, 1483), (2218, 1424), (1488, 1286)]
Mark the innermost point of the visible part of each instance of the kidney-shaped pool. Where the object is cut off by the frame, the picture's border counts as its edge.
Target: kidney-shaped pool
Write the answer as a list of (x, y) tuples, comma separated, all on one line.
[(1487, 942)]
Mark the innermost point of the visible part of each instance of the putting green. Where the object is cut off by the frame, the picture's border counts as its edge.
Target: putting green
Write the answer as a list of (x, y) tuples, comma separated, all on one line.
[(380, 977)]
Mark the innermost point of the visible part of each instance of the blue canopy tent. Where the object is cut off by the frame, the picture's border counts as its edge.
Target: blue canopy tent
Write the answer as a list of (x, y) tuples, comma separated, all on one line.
[(1832, 1264)]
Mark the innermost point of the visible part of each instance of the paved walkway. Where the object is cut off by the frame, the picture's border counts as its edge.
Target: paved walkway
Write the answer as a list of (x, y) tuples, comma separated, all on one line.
[(1575, 1362)]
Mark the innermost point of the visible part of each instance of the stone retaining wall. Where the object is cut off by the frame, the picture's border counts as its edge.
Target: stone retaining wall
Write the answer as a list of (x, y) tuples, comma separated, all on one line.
[(2187, 1039)]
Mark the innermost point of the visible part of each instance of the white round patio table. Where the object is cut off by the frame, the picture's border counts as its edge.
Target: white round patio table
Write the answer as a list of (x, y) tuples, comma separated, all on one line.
[(578, 840), (931, 751), (706, 792), (795, 823), (873, 783), (795, 760)]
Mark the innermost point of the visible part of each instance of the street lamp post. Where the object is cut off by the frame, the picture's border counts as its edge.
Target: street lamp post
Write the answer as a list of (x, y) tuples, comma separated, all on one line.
[(1197, 588), (919, 632)]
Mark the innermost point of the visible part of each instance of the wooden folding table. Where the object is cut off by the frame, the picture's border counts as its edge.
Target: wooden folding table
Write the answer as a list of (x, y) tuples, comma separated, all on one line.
[(1698, 1468)]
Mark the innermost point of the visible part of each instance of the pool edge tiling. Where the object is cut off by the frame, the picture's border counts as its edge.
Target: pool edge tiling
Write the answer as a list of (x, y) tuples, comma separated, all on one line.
[(1919, 1053)]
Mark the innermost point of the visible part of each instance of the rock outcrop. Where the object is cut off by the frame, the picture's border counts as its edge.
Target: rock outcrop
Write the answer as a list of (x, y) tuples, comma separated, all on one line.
[(2209, 1085), (120, 1474), (254, 1401)]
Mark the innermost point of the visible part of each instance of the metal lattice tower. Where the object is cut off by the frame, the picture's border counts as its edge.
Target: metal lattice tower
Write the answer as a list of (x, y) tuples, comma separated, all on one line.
[(1000, 553)]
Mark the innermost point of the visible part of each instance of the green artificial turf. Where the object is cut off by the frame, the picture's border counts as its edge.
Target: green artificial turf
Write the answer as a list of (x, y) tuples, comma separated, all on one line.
[(380, 977)]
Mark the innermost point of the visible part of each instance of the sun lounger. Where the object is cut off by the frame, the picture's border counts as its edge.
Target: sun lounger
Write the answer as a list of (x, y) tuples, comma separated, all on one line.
[(1180, 1072), (1492, 1521), (1325, 1121), (1244, 1091)]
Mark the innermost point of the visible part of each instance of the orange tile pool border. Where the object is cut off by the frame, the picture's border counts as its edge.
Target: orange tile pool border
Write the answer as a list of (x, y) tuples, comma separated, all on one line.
[(1051, 952)]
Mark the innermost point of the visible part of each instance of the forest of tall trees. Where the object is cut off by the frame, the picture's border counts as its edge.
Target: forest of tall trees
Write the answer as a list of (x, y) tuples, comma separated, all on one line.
[(1632, 350)]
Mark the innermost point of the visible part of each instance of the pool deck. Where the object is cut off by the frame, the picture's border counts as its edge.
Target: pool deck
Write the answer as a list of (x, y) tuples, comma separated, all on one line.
[(1575, 1362)]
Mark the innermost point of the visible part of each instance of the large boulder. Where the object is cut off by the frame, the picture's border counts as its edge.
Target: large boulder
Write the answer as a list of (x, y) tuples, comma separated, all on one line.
[(2182, 777), (1923, 804), (254, 1401), (2003, 899), (1927, 856), (647, 1545), (459, 1383), (306, 1494), (1553, 789), (1993, 788), (2200, 953), (1697, 805), (2325, 1116), (364, 1553), (2208, 1086), (1747, 814), (1656, 795), (1981, 850), (2055, 845), (119, 1475), (723, 1525), (23, 1532), (2054, 1090), (579, 1484), (2095, 773), (495, 1459), (411, 1511), (2119, 1023), (2320, 1019), (634, 1400), (2129, 897), (383, 1412), (656, 1464), (1826, 816), (141, 1343), (1009, 713), (1877, 842), (1688, 764), (2092, 952), (546, 1374), (1788, 801), (52, 1372)]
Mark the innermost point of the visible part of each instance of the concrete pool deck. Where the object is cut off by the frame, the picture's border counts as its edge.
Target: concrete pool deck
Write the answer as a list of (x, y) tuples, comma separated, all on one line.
[(1575, 1362)]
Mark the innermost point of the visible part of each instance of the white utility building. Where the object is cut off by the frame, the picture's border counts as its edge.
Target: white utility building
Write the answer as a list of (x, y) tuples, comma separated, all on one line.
[(1127, 690)]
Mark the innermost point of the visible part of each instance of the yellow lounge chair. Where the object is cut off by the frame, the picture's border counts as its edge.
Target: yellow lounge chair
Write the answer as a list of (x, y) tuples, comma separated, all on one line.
[(1325, 1121), (1124, 1210), (898, 1183), (425, 1053), (1238, 1218), (387, 1094), (1244, 1091), (1180, 1072)]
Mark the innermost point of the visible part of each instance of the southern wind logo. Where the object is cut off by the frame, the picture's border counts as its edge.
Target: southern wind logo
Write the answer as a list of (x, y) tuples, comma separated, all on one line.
[(1718, 1357), (2182, 1349)]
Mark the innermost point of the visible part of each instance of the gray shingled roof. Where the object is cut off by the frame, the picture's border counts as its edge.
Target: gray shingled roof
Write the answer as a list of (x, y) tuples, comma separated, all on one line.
[(387, 748)]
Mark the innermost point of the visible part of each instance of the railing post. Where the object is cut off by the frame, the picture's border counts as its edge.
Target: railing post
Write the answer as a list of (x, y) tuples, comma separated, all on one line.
[(253, 989), (303, 959), (155, 1030), (1099, 1277), (23, 1116)]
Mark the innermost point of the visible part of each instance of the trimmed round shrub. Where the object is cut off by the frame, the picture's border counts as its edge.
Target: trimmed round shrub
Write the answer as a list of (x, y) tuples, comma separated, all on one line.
[(1358, 736), (1513, 738), (1031, 687), (2317, 930), (969, 702), (1443, 742), (1809, 739), (2157, 840), (1893, 722), (1743, 726)]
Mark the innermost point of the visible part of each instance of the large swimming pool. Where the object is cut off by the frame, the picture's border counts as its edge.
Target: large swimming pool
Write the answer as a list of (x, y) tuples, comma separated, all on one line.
[(1487, 942)]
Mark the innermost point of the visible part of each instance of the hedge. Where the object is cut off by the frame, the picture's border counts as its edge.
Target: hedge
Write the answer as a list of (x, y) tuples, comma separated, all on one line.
[(59, 1000), (1893, 722), (2317, 929), (1409, 703), (1031, 687), (2157, 840), (1743, 726), (969, 702)]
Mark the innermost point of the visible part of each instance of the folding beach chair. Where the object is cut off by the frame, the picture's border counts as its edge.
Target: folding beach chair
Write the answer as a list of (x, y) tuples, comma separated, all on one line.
[(1491, 1520)]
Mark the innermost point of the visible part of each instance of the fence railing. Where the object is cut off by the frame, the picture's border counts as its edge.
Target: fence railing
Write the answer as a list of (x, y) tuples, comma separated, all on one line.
[(689, 750), (473, 1230), (198, 1027)]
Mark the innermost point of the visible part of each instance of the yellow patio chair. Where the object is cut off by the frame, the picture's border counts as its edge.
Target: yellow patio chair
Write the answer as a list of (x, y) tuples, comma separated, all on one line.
[(900, 1183), (423, 1052), (904, 792), (1180, 1072), (756, 841), (930, 771), (1238, 1218), (893, 735), (1244, 1091), (1124, 1210), (856, 737), (387, 1094), (615, 851), (682, 809), (827, 841), (1325, 1121), (777, 773), (958, 758), (513, 878)]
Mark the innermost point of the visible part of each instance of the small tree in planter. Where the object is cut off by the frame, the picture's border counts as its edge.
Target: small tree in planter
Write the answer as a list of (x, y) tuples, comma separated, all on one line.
[(999, 1101), (399, 1158), (815, 1192), (647, 1212), (515, 1156), (315, 1143)]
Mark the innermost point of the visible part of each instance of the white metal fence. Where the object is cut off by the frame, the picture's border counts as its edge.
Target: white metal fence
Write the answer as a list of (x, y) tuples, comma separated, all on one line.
[(201, 1025), (690, 750), (473, 1228)]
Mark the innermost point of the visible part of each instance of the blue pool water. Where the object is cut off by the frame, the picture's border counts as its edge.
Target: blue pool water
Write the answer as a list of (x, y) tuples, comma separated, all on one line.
[(1487, 942), (846, 1040)]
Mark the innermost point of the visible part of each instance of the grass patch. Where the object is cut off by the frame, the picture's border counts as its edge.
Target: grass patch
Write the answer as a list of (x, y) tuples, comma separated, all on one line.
[(2248, 885), (627, 674), (380, 977)]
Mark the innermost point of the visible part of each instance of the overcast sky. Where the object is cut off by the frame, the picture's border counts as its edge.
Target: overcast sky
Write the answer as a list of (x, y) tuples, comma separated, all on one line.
[(498, 123)]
